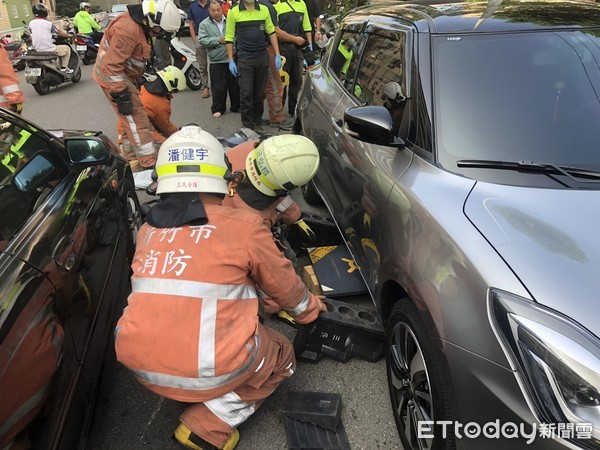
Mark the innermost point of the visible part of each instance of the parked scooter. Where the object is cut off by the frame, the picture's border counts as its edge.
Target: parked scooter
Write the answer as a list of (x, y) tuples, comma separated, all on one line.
[(43, 70), (184, 58), (16, 50), (86, 47)]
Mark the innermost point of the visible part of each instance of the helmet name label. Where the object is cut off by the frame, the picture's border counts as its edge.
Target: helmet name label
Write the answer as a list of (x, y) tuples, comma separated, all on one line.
[(187, 154)]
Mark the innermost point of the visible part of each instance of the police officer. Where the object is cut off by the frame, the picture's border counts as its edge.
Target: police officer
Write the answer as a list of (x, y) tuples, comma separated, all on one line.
[(247, 24)]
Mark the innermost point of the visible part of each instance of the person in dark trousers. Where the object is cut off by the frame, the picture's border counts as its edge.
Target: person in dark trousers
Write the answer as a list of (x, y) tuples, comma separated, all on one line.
[(247, 24), (211, 35), (197, 13), (293, 19), (314, 15)]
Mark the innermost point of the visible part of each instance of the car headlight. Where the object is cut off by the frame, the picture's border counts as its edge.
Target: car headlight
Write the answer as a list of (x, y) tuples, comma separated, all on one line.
[(557, 359)]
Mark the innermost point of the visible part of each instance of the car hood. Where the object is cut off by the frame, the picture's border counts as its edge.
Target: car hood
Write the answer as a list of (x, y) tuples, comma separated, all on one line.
[(61, 134), (551, 241)]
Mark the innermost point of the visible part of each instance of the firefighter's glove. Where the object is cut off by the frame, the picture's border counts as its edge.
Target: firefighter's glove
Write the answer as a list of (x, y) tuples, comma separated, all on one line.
[(124, 103), (17, 107), (233, 68), (310, 234), (278, 61)]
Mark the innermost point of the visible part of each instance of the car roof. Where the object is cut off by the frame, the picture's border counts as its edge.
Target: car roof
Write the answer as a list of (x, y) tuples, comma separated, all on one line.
[(437, 17)]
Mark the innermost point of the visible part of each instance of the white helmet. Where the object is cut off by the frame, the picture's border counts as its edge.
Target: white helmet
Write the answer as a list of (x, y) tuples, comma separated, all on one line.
[(191, 160), (162, 13), (281, 163), (84, 5), (393, 92), (173, 78)]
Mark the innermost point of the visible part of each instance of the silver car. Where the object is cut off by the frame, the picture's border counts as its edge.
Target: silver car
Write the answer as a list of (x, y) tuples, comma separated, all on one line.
[(459, 159)]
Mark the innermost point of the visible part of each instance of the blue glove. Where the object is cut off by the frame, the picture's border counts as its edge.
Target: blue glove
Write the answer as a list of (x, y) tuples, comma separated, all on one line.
[(317, 61), (305, 64), (278, 61), (233, 68), (310, 47)]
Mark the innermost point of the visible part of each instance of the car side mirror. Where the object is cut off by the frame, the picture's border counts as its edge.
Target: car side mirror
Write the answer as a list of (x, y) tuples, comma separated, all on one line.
[(37, 171), (372, 124), (86, 150)]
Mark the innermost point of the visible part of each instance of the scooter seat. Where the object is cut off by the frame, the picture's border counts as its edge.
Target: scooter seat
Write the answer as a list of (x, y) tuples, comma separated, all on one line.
[(13, 45), (39, 56)]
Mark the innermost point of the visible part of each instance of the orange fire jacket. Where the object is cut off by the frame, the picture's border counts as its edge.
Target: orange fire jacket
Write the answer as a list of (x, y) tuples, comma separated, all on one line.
[(190, 331), (158, 109), (9, 83)]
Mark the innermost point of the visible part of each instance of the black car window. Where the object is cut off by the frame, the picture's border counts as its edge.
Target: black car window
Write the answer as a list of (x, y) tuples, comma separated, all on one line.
[(17, 146), (381, 77), (516, 97)]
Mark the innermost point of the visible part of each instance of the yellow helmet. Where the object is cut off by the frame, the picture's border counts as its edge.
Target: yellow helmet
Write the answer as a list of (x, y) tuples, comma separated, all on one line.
[(281, 163), (191, 160), (173, 78)]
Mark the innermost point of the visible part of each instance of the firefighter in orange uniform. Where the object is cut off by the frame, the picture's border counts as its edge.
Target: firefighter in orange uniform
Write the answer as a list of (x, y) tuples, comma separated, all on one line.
[(122, 57), (191, 330), (12, 97)]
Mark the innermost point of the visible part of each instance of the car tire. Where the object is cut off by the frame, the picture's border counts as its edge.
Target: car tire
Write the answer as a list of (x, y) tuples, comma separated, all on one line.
[(41, 86), (134, 217), (192, 79), (310, 194), (417, 387)]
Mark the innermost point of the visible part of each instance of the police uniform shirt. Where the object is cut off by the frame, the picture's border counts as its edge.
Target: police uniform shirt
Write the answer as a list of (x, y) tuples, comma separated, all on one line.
[(293, 17), (249, 28)]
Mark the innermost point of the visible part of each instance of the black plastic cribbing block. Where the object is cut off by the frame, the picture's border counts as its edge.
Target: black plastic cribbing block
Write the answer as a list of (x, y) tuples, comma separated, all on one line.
[(319, 408), (306, 436), (344, 330)]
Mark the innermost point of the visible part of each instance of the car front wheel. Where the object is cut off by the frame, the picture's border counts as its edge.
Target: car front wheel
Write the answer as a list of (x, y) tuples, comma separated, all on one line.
[(417, 389)]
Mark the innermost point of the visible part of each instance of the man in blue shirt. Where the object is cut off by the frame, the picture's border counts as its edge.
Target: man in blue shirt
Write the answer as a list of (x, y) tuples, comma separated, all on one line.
[(199, 10)]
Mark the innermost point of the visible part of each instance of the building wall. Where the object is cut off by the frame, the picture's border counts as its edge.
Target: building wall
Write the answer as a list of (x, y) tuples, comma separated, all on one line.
[(4, 20), (18, 11)]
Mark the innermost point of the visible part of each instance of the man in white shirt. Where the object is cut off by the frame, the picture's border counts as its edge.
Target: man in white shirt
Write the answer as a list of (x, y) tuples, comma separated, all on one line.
[(41, 36)]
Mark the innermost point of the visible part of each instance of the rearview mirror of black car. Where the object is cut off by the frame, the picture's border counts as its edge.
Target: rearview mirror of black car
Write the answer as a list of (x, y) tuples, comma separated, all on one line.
[(85, 150), (34, 173), (372, 124)]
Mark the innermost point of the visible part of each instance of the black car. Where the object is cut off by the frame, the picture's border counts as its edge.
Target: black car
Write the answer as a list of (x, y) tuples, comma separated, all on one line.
[(69, 215), (458, 145)]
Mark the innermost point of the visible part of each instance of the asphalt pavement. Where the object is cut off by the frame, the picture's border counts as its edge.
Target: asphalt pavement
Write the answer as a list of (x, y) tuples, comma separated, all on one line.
[(128, 416)]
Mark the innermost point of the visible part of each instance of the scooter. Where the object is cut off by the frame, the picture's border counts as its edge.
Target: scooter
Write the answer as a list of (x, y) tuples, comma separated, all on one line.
[(86, 47), (16, 50), (42, 68), (184, 58)]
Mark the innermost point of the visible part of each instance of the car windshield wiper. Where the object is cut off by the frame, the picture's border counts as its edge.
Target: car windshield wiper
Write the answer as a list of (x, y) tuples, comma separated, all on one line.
[(533, 166)]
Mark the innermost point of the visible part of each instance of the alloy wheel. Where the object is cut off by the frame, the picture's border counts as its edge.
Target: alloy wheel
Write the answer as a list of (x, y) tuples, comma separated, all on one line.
[(411, 392)]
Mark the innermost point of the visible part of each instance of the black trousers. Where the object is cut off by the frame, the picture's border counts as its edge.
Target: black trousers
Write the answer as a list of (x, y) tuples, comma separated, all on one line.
[(293, 66), (252, 78), (222, 82)]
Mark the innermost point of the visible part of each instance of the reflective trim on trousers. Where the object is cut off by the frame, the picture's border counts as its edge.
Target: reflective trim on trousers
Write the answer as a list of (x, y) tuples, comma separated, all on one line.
[(10, 88), (301, 307), (146, 149), (196, 384), (23, 410), (195, 289), (231, 409)]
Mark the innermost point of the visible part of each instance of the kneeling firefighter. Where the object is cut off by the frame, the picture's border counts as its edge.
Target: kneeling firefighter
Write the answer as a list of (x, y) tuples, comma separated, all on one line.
[(191, 330), (269, 170)]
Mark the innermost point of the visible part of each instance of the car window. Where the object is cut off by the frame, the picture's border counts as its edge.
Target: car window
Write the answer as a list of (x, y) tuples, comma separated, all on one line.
[(344, 58), (17, 146), (518, 97), (380, 80)]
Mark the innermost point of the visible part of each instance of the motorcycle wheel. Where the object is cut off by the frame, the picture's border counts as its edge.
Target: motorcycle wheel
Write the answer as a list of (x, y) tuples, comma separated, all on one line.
[(192, 78), (41, 86), (77, 76)]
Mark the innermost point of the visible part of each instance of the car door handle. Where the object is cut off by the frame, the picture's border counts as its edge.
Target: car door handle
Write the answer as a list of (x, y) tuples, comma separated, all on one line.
[(337, 125), (64, 254)]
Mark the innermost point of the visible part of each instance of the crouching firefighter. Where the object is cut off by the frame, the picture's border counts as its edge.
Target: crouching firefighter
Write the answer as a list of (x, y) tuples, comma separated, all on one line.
[(265, 172), (191, 330)]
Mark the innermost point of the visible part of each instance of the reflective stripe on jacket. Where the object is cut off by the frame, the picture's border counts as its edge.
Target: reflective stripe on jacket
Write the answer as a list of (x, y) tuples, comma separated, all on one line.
[(9, 83), (123, 53), (192, 319), (284, 209)]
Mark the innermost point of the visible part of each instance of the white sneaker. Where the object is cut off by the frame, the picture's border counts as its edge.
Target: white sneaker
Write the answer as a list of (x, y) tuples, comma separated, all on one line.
[(66, 70)]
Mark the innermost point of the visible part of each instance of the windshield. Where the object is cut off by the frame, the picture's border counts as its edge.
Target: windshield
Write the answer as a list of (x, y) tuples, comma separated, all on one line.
[(515, 97), (119, 8)]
